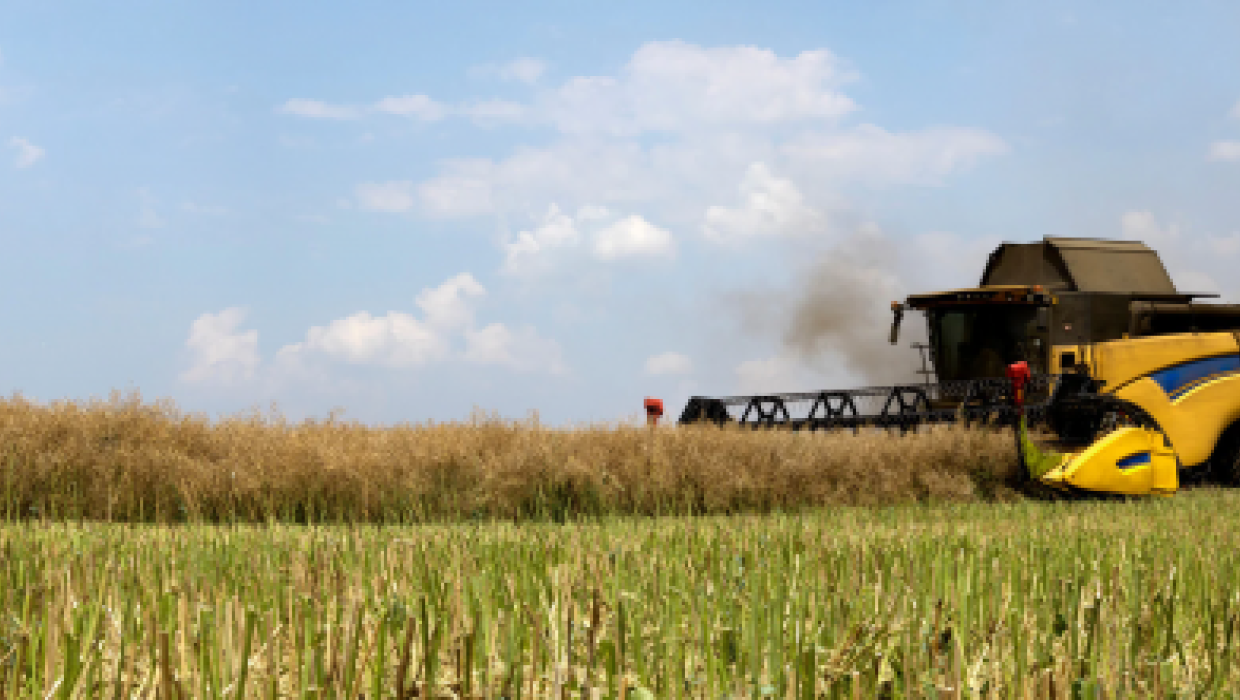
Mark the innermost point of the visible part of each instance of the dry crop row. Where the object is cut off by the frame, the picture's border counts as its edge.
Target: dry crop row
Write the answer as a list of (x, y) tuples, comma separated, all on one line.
[(128, 461), (1026, 600)]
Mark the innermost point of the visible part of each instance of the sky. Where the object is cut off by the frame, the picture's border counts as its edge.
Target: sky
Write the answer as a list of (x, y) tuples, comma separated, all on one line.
[(409, 212)]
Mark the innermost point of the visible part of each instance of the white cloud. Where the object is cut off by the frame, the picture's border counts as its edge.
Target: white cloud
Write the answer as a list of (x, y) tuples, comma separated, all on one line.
[(769, 206), (419, 106), (27, 153), (719, 111), (315, 109), (530, 252), (633, 236), (445, 332), (873, 155), (1225, 150), (449, 305), (523, 350), (397, 339), (218, 351), (669, 363), (394, 340), (1235, 111), (525, 70), (675, 86), (390, 197), (547, 245)]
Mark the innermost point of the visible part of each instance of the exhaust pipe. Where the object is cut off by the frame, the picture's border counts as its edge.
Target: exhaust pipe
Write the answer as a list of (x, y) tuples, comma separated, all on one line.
[(897, 311)]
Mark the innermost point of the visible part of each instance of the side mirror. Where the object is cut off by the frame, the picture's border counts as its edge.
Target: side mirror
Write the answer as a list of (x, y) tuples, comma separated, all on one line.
[(897, 311)]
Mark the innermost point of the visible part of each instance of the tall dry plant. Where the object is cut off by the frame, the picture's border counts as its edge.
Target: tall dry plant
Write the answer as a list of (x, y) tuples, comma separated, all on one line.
[(126, 460)]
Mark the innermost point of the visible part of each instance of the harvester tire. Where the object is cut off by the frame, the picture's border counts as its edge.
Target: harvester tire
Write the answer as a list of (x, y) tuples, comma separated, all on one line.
[(1225, 462)]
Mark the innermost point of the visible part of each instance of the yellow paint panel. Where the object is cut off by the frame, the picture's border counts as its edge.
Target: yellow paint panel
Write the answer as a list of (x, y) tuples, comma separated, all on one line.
[(1193, 422), (1095, 469), (1119, 362)]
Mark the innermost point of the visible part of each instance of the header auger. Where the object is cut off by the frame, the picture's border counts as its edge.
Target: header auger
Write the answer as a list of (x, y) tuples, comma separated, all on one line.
[(1113, 381)]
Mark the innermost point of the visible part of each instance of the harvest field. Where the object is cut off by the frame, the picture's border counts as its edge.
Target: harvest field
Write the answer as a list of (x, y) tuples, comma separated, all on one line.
[(1030, 599), (129, 461), (147, 553)]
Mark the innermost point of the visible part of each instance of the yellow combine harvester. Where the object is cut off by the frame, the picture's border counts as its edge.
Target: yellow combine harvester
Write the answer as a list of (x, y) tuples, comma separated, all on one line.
[(1129, 386), (1168, 403)]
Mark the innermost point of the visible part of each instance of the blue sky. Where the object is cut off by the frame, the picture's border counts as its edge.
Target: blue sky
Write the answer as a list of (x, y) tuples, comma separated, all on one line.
[(411, 210)]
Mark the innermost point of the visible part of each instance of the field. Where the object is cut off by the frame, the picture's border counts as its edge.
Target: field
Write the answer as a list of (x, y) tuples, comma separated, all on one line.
[(981, 600), (146, 553), (124, 460)]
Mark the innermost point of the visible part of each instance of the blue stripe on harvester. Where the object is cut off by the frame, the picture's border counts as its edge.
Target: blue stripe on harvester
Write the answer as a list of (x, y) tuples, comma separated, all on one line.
[(1134, 460), (1175, 378)]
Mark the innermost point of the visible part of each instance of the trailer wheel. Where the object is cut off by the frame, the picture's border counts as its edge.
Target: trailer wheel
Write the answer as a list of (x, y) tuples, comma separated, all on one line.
[(1225, 462)]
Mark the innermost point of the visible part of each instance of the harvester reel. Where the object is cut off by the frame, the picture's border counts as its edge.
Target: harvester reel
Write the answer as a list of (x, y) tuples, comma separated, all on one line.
[(908, 402), (833, 407), (768, 410)]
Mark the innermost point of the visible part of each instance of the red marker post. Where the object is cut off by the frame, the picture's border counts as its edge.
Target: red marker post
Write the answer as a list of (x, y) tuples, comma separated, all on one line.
[(654, 410), (1018, 373)]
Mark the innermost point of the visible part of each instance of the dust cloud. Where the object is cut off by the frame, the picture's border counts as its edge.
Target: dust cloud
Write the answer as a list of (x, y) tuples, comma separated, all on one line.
[(841, 314)]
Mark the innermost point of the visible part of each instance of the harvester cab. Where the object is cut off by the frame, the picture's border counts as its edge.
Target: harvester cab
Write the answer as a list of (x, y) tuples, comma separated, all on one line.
[(1126, 381)]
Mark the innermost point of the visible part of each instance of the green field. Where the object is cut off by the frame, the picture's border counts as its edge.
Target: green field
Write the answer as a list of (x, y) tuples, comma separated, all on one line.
[(1097, 599)]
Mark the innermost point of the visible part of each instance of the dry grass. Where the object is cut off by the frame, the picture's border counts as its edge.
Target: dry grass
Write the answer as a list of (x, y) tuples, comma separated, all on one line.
[(125, 460)]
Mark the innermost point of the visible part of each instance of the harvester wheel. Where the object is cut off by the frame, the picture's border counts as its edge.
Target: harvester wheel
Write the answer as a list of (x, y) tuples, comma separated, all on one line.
[(1225, 462)]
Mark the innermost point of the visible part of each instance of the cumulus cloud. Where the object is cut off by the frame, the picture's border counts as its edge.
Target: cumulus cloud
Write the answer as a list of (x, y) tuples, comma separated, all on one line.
[(717, 113), (558, 234), (633, 236), (1225, 150), (389, 197), (676, 86), (531, 252), (668, 363), (873, 155), (769, 205), (451, 304), (220, 352), (393, 340), (26, 153), (445, 331)]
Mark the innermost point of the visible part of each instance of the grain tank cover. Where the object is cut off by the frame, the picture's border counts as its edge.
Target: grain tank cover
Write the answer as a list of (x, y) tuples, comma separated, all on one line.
[(1080, 265)]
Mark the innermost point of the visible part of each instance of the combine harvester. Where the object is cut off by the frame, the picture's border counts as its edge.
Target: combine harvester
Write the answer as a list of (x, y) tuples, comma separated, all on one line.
[(1132, 385)]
